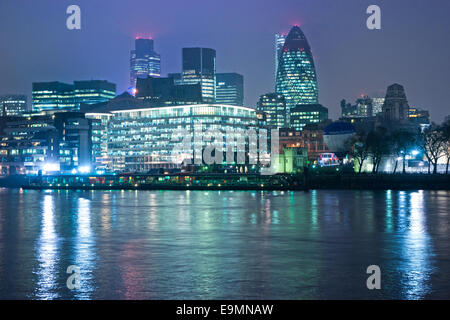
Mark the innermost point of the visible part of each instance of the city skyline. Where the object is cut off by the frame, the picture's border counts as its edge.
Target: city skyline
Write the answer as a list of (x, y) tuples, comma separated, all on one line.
[(327, 34)]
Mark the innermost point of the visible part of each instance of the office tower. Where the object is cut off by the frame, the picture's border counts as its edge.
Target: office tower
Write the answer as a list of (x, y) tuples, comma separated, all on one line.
[(60, 142), (377, 105), (54, 96), (279, 43), (14, 104), (230, 89), (364, 106), (302, 115), (395, 107), (199, 66), (144, 61), (164, 92), (296, 76), (274, 105), (93, 91)]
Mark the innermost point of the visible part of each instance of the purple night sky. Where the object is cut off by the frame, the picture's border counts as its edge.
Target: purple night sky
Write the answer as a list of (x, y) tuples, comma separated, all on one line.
[(412, 48)]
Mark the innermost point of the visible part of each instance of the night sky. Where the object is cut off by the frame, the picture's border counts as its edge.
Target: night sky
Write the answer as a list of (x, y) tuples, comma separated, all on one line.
[(412, 48)]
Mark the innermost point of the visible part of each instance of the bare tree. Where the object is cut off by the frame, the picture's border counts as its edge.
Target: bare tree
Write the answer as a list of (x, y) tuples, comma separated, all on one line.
[(446, 136), (433, 145), (402, 142), (359, 149), (378, 145)]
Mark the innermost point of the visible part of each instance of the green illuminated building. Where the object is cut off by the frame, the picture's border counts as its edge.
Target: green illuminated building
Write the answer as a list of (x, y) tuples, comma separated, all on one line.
[(296, 75)]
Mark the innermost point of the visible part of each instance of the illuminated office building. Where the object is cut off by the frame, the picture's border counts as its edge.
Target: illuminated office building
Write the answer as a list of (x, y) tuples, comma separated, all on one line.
[(274, 105), (302, 115), (279, 43), (60, 142), (93, 91), (199, 66), (140, 140), (53, 96), (296, 76), (13, 104), (58, 96), (230, 89), (144, 61)]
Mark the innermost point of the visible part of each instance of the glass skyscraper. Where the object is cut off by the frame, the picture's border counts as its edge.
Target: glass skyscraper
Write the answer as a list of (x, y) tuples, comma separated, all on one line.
[(199, 66), (274, 105), (144, 61), (296, 76), (230, 89), (279, 43)]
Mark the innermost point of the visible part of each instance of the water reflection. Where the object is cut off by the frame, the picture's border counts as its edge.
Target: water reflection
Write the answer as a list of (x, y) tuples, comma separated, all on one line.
[(48, 250), (225, 245), (84, 249), (416, 248)]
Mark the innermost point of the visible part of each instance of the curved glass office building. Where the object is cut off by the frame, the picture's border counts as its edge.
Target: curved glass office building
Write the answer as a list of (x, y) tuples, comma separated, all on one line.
[(142, 139), (296, 76)]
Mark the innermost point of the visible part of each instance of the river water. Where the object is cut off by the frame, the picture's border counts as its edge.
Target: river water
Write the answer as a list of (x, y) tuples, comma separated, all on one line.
[(223, 245)]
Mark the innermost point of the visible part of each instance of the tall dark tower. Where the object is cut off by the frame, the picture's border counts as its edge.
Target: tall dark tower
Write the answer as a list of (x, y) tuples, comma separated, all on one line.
[(296, 75), (144, 61), (199, 66), (395, 107)]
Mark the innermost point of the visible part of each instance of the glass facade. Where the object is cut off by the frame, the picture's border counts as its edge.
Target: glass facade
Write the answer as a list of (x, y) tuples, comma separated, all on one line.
[(230, 89), (143, 139), (296, 76), (14, 104), (274, 105), (62, 96), (32, 144), (53, 96), (144, 61), (302, 115), (199, 66), (279, 43)]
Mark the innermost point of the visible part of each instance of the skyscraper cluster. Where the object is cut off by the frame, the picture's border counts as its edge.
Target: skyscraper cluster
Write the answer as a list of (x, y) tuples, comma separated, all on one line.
[(295, 86)]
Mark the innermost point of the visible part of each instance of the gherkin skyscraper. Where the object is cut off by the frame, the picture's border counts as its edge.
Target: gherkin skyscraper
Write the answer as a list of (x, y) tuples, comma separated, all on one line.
[(296, 76)]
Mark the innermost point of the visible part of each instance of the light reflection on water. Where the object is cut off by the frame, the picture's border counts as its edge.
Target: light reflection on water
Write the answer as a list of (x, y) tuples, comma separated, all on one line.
[(224, 245)]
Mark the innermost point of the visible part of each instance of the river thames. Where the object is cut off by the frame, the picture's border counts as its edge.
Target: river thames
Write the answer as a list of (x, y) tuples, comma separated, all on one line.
[(224, 244)]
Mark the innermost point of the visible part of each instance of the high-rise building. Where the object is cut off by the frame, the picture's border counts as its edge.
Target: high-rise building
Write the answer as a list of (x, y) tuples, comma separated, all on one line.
[(395, 107), (199, 66), (230, 89), (301, 115), (144, 61), (364, 106), (296, 76), (14, 104), (377, 105), (279, 43), (51, 96), (274, 105), (93, 91)]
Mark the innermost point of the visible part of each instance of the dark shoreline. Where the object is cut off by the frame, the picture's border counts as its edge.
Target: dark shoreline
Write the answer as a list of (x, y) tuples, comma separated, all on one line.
[(342, 181)]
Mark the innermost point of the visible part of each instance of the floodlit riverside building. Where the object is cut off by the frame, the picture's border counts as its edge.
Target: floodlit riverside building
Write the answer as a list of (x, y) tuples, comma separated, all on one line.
[(139, 140)]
